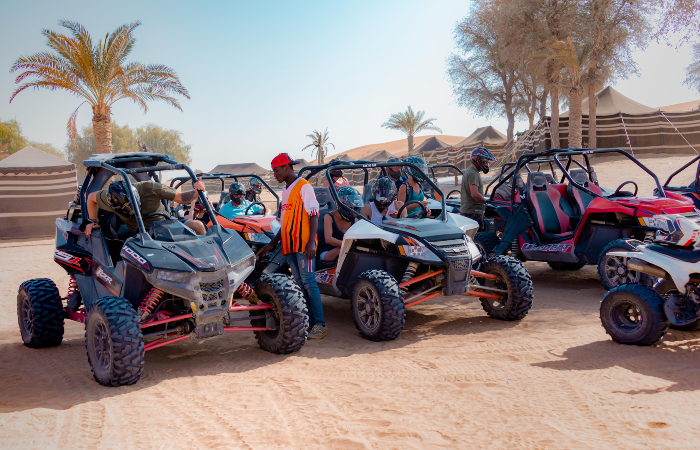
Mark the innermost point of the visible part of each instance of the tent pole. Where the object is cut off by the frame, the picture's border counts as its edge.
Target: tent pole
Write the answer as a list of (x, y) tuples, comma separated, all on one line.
[(628, 136)]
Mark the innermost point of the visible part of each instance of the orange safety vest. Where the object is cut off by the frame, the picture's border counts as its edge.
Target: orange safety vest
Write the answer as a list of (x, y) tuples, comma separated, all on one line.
[(295, 225)]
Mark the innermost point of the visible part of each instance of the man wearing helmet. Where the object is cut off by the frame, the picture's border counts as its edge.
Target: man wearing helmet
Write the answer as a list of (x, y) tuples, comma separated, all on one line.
[(338, 179), (472, 189), (148, 196), (254, 190), (338, 222), (237, 205), (395, 172), (382, 202)]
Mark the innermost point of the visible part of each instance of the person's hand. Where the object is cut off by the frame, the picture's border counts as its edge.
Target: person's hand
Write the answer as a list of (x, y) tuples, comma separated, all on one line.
[(393, 214), (263, 251), (427, 212), (89, 227), (310, 251), (199, 185)]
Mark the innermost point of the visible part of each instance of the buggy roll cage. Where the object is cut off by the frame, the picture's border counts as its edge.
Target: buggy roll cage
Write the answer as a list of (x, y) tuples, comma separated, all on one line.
[(224, 176), (555, 154), (133, 161), (691, 162), (364, 165)]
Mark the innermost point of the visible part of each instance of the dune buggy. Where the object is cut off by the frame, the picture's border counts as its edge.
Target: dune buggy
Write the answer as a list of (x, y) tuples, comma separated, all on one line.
[(158, 287), (692, 191), (386, 268), (568, 220)]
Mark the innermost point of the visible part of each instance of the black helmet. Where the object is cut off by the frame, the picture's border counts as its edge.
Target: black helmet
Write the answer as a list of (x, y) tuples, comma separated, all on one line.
[(119, 200), (336, 172), (236, 188), (394, 171), (480, 157), (351, 197), (383, 192), (417, 175), (255, 185)]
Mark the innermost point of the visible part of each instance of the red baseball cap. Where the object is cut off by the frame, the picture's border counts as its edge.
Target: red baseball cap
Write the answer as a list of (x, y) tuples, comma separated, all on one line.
[(283, 159)]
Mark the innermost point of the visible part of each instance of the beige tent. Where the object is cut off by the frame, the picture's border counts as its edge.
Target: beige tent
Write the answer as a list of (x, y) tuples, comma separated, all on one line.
[(379, 156), (239, 168), (484, 136), (611, 102), (35, 189), (428, 145)]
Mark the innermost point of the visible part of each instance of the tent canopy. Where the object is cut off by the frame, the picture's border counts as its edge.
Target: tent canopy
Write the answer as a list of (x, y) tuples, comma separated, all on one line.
[(379, 156), (342, 157), (33, 160), (611, 102), (430, 144), (240, 168), (483, 136)]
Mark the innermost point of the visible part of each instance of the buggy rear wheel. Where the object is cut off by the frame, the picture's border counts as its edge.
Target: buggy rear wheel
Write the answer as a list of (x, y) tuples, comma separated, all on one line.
[(666, 288), (613, 270), (378, 309), (514, 284), (288, 318), (40, 313), (114, 342), (486, 242), (633, 314)]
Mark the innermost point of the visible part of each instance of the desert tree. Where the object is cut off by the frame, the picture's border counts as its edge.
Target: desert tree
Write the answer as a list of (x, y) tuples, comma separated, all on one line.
[(411, 123), (97, 73), (319, 144), (576, 59)]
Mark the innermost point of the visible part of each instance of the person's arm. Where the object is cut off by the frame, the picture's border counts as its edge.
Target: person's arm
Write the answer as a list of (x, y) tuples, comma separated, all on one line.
[(328, 232), (366, 211), (269, 246), (325, 183), (475, 194), (313, 229), (190, 213), (189, 196), (402, 193), (92, 212)]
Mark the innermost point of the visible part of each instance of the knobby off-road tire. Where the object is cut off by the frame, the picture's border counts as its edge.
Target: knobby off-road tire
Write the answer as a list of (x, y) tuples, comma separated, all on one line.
[(666, 287), (114, 342), (633, 314), (486, 242), (558, 265), (288, 312), (378, 309), (515, 279), (613, 271), (40, 313)]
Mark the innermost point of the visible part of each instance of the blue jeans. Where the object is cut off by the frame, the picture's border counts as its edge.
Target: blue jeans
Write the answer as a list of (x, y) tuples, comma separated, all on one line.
[(303, 273)]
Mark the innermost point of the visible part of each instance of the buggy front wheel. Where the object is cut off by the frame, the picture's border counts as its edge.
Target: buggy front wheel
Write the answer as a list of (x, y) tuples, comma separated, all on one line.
[(513, 285), (378, 309)]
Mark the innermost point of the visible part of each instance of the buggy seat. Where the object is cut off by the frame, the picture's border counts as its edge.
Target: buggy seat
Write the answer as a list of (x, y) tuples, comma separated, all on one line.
[(551, 212), (580, 199)]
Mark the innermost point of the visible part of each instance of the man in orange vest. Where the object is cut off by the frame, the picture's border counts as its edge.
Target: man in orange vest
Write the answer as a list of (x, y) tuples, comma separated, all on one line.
[(299, 223)]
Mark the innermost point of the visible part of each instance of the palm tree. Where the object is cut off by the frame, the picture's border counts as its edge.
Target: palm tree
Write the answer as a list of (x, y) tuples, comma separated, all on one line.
[(97, 73), (410, 123), (576, 61), (320, 144)]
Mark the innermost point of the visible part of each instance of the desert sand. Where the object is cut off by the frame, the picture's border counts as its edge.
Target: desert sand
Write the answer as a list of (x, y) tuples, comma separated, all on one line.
[(453, 379)]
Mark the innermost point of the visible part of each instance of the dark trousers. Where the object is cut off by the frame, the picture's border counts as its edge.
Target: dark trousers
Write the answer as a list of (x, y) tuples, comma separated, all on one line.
[(479, 217)]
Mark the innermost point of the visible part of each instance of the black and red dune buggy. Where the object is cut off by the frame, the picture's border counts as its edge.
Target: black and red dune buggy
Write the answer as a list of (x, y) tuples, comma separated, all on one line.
[(692, 191), (563, 217), (160, 286)]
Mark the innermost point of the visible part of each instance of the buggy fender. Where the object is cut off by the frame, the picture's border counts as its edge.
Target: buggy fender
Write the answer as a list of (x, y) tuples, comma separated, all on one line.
[(679, 271), (469, 226)]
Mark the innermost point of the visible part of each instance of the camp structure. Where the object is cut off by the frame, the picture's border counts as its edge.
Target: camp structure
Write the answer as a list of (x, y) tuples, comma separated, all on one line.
[(428, 145), (487, 137), (239, 168), (621, 123), (379, 156), (35, 189)]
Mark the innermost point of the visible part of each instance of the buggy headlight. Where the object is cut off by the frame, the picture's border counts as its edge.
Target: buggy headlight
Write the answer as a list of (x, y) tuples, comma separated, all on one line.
[(168, 275), (246, 265), (418, 252), (257, 237)]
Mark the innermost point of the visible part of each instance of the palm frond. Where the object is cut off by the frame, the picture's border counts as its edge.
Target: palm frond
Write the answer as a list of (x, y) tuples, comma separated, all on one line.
[(71, 127)]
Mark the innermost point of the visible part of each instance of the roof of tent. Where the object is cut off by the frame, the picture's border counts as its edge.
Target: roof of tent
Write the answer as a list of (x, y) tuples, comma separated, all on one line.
[(379, 156), (33, 160), (611, 102), (483, 136), (430, 144), (682, 107), (342, 157), (239, 168)]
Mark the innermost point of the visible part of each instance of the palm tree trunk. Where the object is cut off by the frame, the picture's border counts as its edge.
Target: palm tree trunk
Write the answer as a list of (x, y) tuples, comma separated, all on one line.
[(102, 128), (554, 128), (592, 114), (319, 157), (575, 97), (410, 144)]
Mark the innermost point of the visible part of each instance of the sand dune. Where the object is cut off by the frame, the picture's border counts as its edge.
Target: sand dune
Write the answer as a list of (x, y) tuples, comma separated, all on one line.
[(453, 379), (398, 148)]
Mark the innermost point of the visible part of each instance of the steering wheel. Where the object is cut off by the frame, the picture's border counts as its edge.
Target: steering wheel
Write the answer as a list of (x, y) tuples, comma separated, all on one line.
[(636, 188), (452, 192), (157, 213), (253, 204), (422, 208)]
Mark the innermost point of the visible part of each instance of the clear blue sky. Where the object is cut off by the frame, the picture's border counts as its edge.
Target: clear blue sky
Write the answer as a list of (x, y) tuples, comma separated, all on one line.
[(263, 74)]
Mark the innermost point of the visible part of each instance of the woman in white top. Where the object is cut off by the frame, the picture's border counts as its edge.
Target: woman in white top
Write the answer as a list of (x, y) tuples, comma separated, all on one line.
[(382, 204)]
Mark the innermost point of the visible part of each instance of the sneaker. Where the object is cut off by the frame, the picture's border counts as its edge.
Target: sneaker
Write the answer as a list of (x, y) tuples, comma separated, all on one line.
[(318, 332)]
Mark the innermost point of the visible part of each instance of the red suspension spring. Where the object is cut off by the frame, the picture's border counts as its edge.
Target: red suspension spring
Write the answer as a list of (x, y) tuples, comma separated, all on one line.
[(245, 290), (72, 287), (150, 302)]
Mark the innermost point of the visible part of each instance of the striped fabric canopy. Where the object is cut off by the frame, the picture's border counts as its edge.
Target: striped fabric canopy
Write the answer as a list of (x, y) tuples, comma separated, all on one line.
[(35, 189)]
